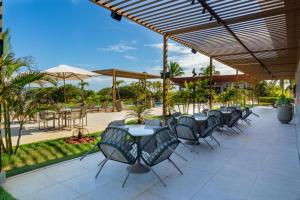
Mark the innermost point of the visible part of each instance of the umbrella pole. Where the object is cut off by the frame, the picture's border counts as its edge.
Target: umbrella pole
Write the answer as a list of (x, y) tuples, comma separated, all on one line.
[(65, 91)]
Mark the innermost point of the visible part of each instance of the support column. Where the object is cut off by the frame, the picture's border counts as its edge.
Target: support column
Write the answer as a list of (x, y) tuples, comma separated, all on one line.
[(114, 79), (1, 52), (210, 83), (236, 87), (165, 78)]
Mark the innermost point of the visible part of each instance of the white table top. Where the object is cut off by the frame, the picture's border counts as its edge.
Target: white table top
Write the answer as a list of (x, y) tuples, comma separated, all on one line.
[(226, 111), (200, 118), (141, 130)]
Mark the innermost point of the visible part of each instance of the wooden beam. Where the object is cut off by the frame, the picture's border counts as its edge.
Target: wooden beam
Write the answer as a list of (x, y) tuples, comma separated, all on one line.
[(235, 20), (263, 51), (210, 82), (165, 79), (228, 29)]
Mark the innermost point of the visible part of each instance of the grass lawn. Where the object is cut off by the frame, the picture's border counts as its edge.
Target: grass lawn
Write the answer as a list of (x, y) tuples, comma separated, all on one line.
[(5, 195), (40, 154)]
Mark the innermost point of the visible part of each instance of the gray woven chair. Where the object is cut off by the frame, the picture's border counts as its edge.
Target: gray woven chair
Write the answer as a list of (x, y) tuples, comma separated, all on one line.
[(212, 126), (117, 123), (245, 114), (187, 129), (171, 123), (166, 145), (117, 144), (219, 115), (152, 122), (233, 123)]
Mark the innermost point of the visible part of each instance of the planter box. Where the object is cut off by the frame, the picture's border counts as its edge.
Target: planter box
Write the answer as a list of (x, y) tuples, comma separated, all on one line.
[(119, 105), (285, 113), (2, 177)]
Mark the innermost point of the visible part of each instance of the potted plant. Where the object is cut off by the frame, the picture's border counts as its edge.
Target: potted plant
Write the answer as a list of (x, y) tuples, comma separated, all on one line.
[(285, 110)]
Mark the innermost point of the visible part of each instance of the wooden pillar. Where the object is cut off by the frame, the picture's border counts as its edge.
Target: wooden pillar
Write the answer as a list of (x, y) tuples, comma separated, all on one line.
[(165, 78), (236, 87), (210, 83), (1, 52), (114, 79)]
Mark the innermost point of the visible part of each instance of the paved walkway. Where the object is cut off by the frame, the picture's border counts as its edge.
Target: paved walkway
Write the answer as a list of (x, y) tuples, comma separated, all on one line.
[(96, 122), (260, 164)]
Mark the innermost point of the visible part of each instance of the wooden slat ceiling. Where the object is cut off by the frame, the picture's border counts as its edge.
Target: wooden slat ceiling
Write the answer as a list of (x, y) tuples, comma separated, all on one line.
[(126, 74), (257, 37)]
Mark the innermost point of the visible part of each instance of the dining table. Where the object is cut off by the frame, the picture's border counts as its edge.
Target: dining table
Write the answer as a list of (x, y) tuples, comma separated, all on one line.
[(139, 132)]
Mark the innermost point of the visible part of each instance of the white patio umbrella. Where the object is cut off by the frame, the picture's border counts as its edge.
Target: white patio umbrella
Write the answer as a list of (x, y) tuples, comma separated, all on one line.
[(67, 72)]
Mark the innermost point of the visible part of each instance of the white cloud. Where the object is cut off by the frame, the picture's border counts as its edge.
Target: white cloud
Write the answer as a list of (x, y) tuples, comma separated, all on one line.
[(130, 57), (75, 2), (188, 60), (120, 47)]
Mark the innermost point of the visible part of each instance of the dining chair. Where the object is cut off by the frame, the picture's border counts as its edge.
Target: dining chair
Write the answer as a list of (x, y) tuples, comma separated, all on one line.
[(187, 129), (117, 123), (116, 144), (166, 145), (152, 122), (46, 116), (212, 126)]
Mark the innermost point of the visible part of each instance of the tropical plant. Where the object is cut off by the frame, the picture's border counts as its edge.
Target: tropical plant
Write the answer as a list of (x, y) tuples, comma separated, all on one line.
[(139, 111), (12, 82), (175, 69), (204, 71)]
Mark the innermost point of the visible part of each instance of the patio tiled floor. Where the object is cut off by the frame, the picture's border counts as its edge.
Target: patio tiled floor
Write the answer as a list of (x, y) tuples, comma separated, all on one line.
[(262, 163)]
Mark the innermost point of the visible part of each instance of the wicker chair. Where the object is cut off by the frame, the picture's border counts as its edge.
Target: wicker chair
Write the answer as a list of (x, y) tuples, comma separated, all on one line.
[(171, 123), (115, 144), (152, 122), (187, 129), (233, 123), (245, 114), (117, 123), (213, 125), (219, 115), (166, 145), (46, 116)]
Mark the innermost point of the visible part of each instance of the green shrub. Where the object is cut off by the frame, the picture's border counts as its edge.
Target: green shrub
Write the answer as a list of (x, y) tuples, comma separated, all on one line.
[(267, 100)]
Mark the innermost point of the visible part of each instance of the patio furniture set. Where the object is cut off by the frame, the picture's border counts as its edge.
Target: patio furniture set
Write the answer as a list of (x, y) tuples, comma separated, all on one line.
[(65, 118), (145, 145)]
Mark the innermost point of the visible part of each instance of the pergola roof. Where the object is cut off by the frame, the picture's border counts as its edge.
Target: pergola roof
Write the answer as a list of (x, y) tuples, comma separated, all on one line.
[(215, 78), (126, 74), (257, 37)]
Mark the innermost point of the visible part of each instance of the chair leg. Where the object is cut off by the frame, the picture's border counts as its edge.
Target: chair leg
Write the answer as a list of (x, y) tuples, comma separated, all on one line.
[(171, 161), (177, 154), (157, 176), (238, 128), (191, 149), (127, 177), (102, 165), (84, 155), (208, 144), (234, 131), (215, 140)]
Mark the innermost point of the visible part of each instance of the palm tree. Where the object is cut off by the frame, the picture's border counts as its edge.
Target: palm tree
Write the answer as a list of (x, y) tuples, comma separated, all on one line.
[(175, 69), (139, 111), (11, 83), (205, 71)]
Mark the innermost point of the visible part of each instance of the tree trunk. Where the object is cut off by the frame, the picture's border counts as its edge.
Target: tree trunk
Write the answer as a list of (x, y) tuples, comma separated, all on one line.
[(19, 136), (7, 130)]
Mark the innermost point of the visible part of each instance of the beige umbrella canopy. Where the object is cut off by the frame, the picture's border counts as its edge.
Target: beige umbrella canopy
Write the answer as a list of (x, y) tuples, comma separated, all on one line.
[(67, 72)]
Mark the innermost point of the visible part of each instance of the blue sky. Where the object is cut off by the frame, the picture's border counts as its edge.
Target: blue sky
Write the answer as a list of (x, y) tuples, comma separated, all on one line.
[(82, 34)]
